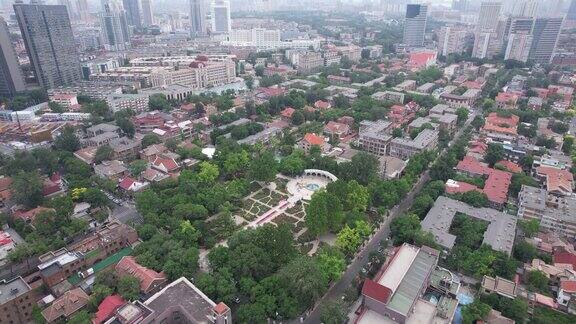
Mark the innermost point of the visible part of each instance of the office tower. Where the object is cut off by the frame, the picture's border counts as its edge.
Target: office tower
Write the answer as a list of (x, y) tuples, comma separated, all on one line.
[(82, 10), (486, 45), (452, 40), (488, 17), (11, 79), (147, 13), (461, 5), (545, 32), (50, 44), (415, 25), (68, 5), (518, 47), (221, 16), (114, 27), (198, 17), (571, 15), (523, 8), (133, 13)]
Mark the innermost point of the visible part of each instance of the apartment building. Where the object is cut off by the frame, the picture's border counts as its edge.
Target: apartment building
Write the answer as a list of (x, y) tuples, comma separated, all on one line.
[(374, 137), (309, 62), (405, 148), (555, 213), (135, 102), (393, 96), (17, 299)]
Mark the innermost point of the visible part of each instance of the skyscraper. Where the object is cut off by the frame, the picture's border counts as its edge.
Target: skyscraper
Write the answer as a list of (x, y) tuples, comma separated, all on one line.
[(488, 17), (82, 8), (221, 16), (545, 38), (571, 15), (415, 25), (147, 13), (198, 17), (133, 13), (68, 5), (114, 25), (11, 79), (50, 44)]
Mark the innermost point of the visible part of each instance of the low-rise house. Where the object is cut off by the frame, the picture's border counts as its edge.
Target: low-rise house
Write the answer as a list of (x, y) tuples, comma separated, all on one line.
[(406, 148), (408, 85), (287, 113), (557, 181), (86, 154), (507, 100), (130, 185), (339, 80), (497, 182), (149, 279), (374, 136), (310, 140), (113, 170), (150, 153), (5, 191), (125, 149), (336, 130), (391, 167), (501, 128), (395, 97), (148, 121), (6, 246), (100, 139), (567, 296), (322, 105), (535, 103), (107, 308), (153, 175), (165, 164), (495, 317), (66, 306), (101, 129), (500, 286)]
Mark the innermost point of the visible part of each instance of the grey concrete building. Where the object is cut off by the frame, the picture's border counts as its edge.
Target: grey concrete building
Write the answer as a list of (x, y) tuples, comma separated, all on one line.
[(375, 136), (403, 148), (11, 79), (415, 24), (50, 43), (499, 234)]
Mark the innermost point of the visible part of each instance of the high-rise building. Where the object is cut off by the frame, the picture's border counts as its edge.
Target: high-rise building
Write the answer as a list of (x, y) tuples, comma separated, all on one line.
[(546, 32), (50, 44), (147, 13), (68, 5), (198, 17), (486, 45), (518, 47), (523, 8), (11, 79), (452, 40), (221, 16), (114, 25), (415, 24), (133, 13), (83, 11), (571, 15), (461, 5), (488, 17)]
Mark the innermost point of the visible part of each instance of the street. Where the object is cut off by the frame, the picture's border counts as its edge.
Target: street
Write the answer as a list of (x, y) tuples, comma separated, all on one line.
[(339, 288)]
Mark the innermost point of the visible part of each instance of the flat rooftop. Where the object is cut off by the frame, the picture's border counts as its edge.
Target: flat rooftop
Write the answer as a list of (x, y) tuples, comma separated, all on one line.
[(12, 289), (499, 235)]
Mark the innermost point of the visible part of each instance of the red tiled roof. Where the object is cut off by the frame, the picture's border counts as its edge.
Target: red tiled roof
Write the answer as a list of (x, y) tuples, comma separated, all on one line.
[(288, 112), (221, 308), (126, 183), (168, 164), (507, 97), (5, 238), (147, 277), (107, 308), (564, 257), (335, 127), (376, 291), (421, 59), (568, 286), (65, 306), (31, 214), (5, 183), (473, 166), (556, 179), (510, 166), (322, 104), (314, 139), (494, 118), (497, 185)]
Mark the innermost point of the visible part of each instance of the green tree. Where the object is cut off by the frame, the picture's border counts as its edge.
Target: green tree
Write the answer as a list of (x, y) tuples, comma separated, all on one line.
[(297, 118), (537, 281), (529, 227), (524, 251), (26, 189), (475, 198), (67, 140), (158, 101), (137, 167), (568, 144), (150, 139), (333, 312), (324, 213), (103, 153), (126, 126), (56, 107), (304, 279), (208, 174), (294, 164), (81, 317), (263, 168), (331, 263), (519, 180), (475, 311), (129, 287), (462, 114), (494, 154), (348, 240)]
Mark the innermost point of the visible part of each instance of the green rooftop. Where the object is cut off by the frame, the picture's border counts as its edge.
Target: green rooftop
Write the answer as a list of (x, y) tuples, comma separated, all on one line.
[(113, 259)]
